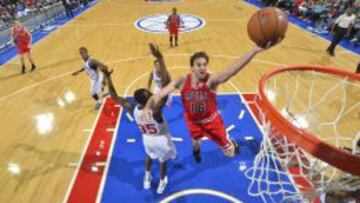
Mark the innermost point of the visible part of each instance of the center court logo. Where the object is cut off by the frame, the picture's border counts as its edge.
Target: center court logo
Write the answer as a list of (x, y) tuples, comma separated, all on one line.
[(157, 23)]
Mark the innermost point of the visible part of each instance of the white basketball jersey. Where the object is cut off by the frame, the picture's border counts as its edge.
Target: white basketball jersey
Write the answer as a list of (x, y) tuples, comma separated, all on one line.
[(156, 79), (91, 71), (152, 127)]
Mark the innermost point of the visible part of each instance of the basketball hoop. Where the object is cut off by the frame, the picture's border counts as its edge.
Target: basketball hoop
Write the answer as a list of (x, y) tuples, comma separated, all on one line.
[(310, 118)]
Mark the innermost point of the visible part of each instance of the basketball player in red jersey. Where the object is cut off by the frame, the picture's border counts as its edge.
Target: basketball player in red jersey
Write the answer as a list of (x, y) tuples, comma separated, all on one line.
[(21, 37), (173, 24), (198, 94)]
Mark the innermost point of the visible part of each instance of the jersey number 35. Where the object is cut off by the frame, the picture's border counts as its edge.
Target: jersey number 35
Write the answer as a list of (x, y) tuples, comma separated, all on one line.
[(148, 129)]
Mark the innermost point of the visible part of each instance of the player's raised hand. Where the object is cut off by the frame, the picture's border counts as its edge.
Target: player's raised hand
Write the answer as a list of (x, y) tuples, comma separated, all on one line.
[(108, 72), (155, 51), (268, 45)]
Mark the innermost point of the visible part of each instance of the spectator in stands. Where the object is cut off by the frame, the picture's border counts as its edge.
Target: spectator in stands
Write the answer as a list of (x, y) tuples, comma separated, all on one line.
[(356, 38), (318, 11), (68, 8), (341, 28)]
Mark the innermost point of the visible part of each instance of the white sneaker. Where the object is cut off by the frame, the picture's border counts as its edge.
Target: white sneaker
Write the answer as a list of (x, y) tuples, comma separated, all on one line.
[(162, 185), (147, 182)]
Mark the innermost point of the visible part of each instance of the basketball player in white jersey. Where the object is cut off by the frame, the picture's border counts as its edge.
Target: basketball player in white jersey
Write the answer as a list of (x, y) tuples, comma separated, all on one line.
[(94, 69), (155, 77), (156, 138)]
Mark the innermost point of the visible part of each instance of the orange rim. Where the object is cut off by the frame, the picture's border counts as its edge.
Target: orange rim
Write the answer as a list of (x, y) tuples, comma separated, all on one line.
[(336, 157)]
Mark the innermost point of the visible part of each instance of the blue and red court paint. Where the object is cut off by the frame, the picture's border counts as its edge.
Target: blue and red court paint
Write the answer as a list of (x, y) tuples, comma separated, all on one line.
[(125, 169), (86, 182)]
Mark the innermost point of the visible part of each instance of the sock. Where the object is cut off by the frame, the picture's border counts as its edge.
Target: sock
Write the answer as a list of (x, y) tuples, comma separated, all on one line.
[(147, 174)]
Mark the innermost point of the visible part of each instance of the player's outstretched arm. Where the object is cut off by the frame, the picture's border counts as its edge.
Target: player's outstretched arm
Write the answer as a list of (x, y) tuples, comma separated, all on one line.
[(150, 81), (120, 100), (78, 71), (155, 102), (223, 76), (164, 73)]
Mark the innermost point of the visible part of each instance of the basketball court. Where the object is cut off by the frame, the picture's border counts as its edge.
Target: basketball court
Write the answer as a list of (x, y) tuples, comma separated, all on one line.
[(57, 148)]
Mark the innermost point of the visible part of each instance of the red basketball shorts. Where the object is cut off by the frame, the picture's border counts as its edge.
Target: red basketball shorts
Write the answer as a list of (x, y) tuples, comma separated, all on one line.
[(173, 29), (23, 48), (213, 128)]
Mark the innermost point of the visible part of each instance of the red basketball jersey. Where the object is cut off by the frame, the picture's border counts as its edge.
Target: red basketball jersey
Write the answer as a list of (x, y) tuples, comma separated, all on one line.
[(174, 20), (199, 103), (21, 36)]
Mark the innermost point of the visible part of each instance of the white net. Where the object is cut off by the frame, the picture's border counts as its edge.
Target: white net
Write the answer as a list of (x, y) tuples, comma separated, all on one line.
[(317, 104)]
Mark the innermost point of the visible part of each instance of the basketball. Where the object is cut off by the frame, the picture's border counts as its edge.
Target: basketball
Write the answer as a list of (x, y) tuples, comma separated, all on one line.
[(267, 25)]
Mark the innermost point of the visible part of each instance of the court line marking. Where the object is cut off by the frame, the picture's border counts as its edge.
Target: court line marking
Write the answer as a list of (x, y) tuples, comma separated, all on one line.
[(100, 163), (106, 170), (249, 138), (118, 121), (57, 77), (131, 24), (34, 85), (131, 140), (107, 167), (69, 189), (163, 4), (120, 113), (241, 115), (177, 139), (202, 192), (230, 128), (73, 164), (189, 54), (111, 151), (131, 119), (119, 116), (110, 129)]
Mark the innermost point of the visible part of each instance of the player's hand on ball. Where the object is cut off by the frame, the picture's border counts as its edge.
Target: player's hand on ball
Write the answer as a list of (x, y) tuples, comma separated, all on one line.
[(268, 45)]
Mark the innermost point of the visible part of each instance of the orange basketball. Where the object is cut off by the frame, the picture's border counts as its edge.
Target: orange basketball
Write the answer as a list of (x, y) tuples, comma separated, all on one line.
[(267, 25)]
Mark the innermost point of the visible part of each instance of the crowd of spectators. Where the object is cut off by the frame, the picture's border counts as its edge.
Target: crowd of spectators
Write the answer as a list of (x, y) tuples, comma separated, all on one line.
[(14, 9), (321, 14)]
